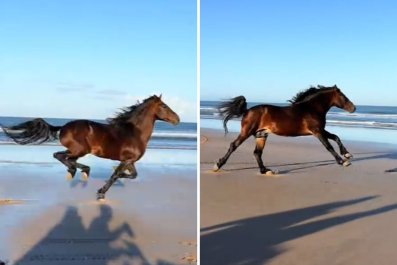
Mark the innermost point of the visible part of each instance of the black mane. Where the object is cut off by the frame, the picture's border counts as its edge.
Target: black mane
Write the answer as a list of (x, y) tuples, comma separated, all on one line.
[(128, 113), (311, 91)]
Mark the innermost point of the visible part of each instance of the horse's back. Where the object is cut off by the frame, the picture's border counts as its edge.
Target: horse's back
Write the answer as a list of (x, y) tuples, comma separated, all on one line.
[(82, 134), (273, 112), (81, 126)]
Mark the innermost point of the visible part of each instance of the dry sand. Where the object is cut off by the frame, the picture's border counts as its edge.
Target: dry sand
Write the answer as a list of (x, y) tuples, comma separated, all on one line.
[(47, 220), (314, 212)]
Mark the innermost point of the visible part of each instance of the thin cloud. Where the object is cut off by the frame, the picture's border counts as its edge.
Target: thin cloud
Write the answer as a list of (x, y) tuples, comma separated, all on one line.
[(73, 87), (111, 92)]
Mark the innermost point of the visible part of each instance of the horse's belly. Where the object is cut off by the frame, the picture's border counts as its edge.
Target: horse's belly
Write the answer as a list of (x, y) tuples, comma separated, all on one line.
[(289, 129), (106, 150), (97, 151), (292, 134)]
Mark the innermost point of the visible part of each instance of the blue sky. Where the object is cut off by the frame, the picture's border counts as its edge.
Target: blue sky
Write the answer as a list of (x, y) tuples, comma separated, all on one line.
[(86, 59), (269, 50)]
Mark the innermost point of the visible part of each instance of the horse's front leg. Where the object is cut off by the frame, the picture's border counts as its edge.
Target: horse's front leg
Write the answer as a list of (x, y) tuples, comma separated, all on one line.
[(324, 140), (116, 174), (129, 171), (342, 148)]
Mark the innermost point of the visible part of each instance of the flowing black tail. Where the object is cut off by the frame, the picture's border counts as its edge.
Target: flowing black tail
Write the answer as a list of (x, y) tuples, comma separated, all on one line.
[(234, 108), (35, 131)]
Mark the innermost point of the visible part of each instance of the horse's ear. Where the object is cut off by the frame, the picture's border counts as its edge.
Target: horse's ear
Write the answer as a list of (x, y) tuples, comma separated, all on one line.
[(336, 88), (160, 96)]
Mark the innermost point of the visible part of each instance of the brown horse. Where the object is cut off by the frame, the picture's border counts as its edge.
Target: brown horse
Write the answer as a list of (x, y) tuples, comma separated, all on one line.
[(124, 138), (305, 116)]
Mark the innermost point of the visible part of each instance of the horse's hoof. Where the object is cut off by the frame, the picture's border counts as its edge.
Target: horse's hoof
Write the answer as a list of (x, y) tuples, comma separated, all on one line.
[(100, 197), (346, 163), (348, 155), (127, 172), (215, 168), (124, 176), (84, 176), (69, 176), (270, 172)]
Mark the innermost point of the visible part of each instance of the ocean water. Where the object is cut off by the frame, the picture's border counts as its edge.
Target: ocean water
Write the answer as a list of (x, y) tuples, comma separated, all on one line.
[(368, 123), (165, 135)]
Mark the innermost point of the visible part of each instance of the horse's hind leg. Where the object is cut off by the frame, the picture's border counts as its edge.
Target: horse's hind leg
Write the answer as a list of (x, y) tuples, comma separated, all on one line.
[(233, 146), (62, 156), (70, 162), (260, 145), (116, 174), (85, 170), (323, 139), (342, 148)]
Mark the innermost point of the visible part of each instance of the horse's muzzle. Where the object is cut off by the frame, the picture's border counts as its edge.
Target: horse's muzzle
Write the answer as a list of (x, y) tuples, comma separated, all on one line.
[(175, 120), (350, 108)]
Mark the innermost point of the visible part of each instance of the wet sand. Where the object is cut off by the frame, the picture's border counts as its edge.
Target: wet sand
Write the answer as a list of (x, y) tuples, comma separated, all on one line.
[(313, 212), (46, 219)]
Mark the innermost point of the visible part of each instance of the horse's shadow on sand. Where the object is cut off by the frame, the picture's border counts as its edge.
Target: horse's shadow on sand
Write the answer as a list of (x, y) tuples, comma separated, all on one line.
[(69, 242), (256, 240), (320, 163)]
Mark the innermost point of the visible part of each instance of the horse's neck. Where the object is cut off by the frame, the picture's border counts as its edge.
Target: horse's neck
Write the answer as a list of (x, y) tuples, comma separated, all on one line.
[(145, 125), (322, 103)]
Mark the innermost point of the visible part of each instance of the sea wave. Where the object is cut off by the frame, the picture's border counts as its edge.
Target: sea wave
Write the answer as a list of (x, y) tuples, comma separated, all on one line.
[(365, 124), (208, 111), (171, 145), (159, 140), (185, 135), (174, 135), (364, 115)]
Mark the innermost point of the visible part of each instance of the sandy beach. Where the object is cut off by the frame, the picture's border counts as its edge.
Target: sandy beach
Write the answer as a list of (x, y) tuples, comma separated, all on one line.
[(46, 219), (313, 212)]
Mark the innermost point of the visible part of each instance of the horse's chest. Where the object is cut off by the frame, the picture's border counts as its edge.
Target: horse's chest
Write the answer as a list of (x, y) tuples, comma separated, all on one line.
[(132, 152)]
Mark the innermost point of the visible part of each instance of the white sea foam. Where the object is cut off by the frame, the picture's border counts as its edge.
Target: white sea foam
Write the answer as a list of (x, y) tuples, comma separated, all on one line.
[(174, 135), (366, 124)]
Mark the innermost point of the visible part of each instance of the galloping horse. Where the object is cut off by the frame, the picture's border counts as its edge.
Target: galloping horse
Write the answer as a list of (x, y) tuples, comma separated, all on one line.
[(305, 116), (124, 138)]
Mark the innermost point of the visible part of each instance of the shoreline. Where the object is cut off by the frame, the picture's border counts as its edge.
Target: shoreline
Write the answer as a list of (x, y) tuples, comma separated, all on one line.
[(47, 219), (313, 212), (386, 150), (153, 147), (304, 139)]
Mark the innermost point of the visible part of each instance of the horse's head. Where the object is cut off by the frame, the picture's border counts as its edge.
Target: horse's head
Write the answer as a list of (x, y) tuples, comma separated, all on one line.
[(165, 113), (341, 101)]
